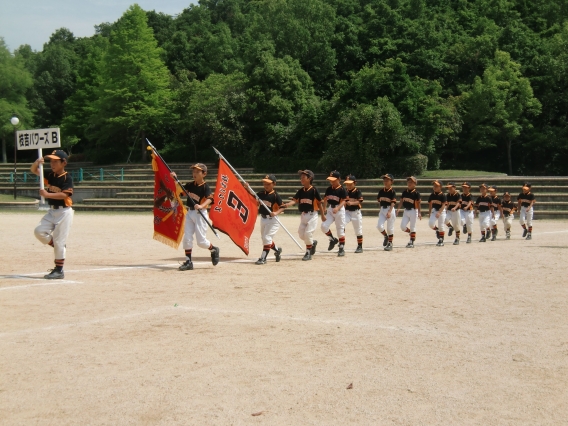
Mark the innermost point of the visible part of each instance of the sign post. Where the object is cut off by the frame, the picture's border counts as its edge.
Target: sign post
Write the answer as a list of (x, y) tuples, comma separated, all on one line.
[(39, 139)]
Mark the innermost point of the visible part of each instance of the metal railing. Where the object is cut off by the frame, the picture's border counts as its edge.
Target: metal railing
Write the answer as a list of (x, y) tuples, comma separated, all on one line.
[(78, 175)]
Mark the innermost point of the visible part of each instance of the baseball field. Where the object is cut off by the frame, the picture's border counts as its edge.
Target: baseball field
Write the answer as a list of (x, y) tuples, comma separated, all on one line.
[(475, 334)]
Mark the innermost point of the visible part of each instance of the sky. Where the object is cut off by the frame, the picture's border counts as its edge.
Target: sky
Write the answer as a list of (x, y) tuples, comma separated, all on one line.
[(33, 21)]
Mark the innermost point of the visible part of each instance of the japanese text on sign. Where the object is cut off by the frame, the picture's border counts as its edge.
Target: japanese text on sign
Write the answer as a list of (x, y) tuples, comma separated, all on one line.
[(38, 138)]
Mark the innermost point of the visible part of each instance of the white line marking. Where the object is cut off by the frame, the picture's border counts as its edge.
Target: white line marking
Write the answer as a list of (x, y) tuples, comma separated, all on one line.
[(53, 282)]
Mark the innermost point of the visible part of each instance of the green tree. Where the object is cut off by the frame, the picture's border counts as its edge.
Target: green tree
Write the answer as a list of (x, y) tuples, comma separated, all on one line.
[(15, 81), (134, 94), (499, 105)]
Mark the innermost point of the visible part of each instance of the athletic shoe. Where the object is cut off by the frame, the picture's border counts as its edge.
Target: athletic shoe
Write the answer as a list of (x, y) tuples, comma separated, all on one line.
[(493, 235), (388, 247), (359, 249), (54, 274), (215, 256), (456, 242), (450, 231), (385, 241), (508, 234), (341, 252), (468, 239), (186, 266), (313, 250), (464, 229), (483, 239), (440, 242), (529, 236), (307, 256), (278, 253), (410, 244), (525, 232), (261, 261), (487, 234), (332, 244)]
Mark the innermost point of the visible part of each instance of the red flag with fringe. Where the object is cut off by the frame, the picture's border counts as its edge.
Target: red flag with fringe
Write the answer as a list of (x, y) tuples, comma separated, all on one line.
[(234, 209), (169, 211)]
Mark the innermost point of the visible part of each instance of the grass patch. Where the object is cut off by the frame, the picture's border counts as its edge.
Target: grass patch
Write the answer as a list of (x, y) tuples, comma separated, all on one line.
[(458, 174), (6, 198)]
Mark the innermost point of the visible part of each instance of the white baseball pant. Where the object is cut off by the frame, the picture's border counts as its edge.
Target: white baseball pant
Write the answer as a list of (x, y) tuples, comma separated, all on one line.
[(356, 218), (493, 221), (55, 225), (308, 224), (194, 224), (338, 218), (526, 216), (439, 221), (466, 217), (389, 222), (268, 228), (409, 218), (508, 222), (454, 218), (484, 220)]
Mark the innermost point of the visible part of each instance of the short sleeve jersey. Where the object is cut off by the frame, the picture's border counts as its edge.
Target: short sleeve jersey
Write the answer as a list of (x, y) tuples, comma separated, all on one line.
[(508, 207), (198, 193), (453, 200), (272, 200), (495, 202), (62, 183), (335, 195), (438, 199), (483, 203), (352, 195), (525, 199), (410, 198), (465, 199), (308, 199), (386, 197)]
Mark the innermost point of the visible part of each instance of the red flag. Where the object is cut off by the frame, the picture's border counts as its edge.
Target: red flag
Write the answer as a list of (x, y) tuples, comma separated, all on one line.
[(169, 211), (234, 209)]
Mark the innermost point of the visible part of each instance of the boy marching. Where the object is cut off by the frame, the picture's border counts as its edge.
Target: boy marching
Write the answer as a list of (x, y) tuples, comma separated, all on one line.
[(334, 202), (387, 201), (200, 197), (268, 209), (309, 202), (484, 209), (466, 210), (410, 200), (453, 218), (496, 203), (508, 208), (353, 210), (526, 201), (437, 211), (54, 227)]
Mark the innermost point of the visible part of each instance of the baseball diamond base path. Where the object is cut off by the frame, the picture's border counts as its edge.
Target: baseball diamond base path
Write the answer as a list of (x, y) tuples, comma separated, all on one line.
[(470, 335)]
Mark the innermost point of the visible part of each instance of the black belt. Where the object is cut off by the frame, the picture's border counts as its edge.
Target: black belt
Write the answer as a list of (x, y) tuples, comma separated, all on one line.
[(51, 206), (265, 216), (409, 208)]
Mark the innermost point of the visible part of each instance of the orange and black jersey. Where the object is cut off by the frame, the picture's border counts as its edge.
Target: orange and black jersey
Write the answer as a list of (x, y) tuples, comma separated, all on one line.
[(352, 195), (410, 199), (272, 200), (508, 208), (308, 199), (465, 199), (386, 197), (438, 199), (334, 196), (61, 183), (525, 199), (495, 202), (198, 193), (453, 200), (483, 204)]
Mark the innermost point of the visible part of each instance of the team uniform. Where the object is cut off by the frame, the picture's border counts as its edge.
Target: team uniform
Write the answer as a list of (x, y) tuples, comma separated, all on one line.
[(496, 203), (508, 216), (466, 214), (54, 227), (308, 201), (526, 213), (484, 205), (453, 218), (438, 201), (410, 201), (387, 200), (271, 202), (353, 215), (334, 197)]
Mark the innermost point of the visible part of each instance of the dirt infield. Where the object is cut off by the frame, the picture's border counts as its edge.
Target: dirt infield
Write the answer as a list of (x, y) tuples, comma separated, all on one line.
[(475, 334)]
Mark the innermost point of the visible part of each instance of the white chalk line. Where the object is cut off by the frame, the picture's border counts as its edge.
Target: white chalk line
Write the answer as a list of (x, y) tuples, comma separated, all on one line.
[(223, 312)]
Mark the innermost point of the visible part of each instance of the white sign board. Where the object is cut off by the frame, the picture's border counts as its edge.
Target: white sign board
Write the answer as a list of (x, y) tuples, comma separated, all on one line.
[(39, 139)]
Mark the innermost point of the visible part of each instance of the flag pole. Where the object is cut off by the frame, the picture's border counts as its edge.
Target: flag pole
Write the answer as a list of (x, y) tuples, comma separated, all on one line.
[(184, 190), (254, 193)]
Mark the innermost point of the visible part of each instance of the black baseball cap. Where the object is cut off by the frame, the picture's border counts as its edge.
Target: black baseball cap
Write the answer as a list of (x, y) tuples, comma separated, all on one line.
[(269, 178), (483, 186), (492, 188), (506, 193), (466, 185), (450, 185), (334, 175), (307, 172), (200, 166), (58, 154), (350, 179), (412, 178), (527, 186), (437, 182), (387, 176)]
